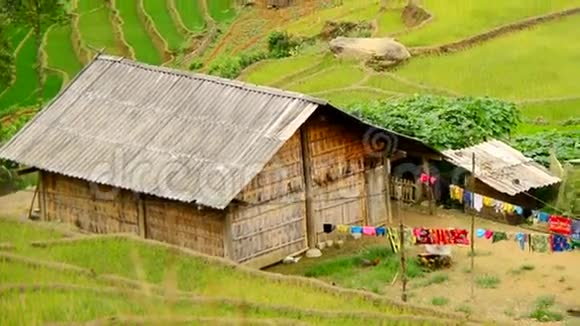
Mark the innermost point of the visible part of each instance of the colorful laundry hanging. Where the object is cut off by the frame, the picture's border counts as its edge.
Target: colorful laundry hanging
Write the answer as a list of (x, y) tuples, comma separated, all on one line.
[(342, 228), (560, 243), (521, 239), (477, 202), (560, 225), (369, 230), (424, 178), (425, 236), (499, 236), (487, 201), (543, 217), (327, 228), (380, 231), (539, 243), (356, 229)]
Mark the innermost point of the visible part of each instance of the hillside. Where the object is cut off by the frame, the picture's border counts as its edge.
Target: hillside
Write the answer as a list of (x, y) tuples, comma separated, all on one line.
[(51, 275), (531, 60)]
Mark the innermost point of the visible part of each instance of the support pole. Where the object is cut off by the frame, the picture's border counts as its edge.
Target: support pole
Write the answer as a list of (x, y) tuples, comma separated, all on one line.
[(33, 200), (141, 217), (42, 196), (387, 183), (402, 248), (429, 188), (472, 188), (311, 222)]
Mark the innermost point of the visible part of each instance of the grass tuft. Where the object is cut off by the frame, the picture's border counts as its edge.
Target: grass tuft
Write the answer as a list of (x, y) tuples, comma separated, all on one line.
[(542, 310), (439, 301), (487, 281)]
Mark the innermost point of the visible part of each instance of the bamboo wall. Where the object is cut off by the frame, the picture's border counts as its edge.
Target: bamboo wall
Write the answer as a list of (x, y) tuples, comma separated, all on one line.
[(337, 156), (73, 201), (114, 210), (269, 221), (182, 224)]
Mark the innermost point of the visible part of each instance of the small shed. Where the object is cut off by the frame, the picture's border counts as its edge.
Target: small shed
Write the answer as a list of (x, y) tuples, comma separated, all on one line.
[(503, 173), (219, 166)]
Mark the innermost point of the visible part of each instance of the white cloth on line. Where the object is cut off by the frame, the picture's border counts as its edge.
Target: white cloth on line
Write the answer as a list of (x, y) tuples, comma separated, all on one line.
[(477, 202)]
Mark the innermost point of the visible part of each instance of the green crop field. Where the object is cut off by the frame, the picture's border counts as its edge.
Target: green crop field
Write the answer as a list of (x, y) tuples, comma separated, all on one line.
[(136, 33), (169, 280), (457, 19), (25, 83), (191, 14), (59, 50), (221, 10), (164, 23), (96, 27)]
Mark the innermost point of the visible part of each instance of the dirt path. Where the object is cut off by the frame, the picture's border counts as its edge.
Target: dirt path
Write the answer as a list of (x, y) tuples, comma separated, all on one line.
[(549, 274), (16, 205)]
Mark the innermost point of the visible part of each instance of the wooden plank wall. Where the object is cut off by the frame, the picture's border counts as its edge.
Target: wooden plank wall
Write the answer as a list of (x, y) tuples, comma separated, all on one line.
[(185, 225), (339, 194), (73, 201), (376, 206), (268, 223)]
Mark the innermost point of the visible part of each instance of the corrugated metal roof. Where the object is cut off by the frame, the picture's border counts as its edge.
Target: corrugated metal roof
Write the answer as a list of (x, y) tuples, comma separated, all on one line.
[(159, 131), (502, 167)]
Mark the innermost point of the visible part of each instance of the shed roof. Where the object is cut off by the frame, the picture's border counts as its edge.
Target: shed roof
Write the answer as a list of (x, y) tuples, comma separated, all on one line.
[(502, 167), (164, 132)]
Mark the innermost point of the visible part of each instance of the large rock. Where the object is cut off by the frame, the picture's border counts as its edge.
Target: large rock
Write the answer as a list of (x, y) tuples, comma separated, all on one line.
[(386, 49)]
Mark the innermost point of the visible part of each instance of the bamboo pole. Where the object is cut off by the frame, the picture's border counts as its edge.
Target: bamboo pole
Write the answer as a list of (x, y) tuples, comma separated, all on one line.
[(307, 170), (387, 182), (402, 248), (472, 225), (33, 200), (429, 189)]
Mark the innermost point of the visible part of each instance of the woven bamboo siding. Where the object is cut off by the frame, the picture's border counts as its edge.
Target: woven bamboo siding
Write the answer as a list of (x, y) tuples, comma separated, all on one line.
[(75, 201), (269, 223), (339, 194), (185, 225)]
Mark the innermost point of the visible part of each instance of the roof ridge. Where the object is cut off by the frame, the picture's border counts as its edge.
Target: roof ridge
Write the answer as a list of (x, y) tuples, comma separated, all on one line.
[(209, 78)]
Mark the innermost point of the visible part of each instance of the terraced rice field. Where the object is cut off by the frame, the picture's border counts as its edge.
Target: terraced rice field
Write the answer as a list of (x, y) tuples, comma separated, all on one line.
[(191, 14), (458, 19), (135, 32), (96, 27), (159, 13), (59, 50), (221, 10), (22, 90)]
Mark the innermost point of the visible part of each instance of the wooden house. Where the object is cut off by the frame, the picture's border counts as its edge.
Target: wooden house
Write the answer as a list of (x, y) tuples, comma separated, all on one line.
[(219, 166)]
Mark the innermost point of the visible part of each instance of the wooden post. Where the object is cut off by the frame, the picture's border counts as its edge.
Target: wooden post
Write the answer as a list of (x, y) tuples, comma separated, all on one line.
[(387, 184), (32, 202), (311, 222), (402, 248), (228, 239), (472, 225), (141, 217), (42, 196), (429, 189)]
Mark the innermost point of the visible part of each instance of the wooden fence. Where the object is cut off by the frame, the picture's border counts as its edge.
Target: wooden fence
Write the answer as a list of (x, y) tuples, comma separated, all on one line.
[(404, 189)]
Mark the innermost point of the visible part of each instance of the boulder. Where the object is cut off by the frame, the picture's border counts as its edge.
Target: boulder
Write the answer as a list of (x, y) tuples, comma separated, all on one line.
[(385, 49)]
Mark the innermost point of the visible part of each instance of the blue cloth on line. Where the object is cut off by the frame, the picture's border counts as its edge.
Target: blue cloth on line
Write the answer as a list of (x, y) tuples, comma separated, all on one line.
[(480, 233), (543, 217), (380, 231), (519, 210), (356, 229), (560, 243), (467, 198), (521, 239)]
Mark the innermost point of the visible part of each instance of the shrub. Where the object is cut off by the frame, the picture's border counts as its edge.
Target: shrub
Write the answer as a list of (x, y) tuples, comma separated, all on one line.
[(281, 44), (542, 310), (439, 301), (487, 281), (231, 67), (195, 65)]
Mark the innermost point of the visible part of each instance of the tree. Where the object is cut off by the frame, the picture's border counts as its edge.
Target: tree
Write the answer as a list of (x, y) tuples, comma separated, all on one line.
[(6, 59), (37, 15)]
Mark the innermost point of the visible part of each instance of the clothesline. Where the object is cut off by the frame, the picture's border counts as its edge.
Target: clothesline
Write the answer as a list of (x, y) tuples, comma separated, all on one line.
[(537, 242)]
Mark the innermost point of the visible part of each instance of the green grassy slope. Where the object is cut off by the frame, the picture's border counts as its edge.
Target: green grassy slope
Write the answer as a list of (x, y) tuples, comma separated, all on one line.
[(22, 90), (457, 19), (221, 10), (517, 66), (75, 300), (164, 23), (95, 26), (59, 50), (136, 34), (191, 14)]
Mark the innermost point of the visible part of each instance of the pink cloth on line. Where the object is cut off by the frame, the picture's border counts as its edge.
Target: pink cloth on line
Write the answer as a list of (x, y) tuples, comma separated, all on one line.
[(369, 230)]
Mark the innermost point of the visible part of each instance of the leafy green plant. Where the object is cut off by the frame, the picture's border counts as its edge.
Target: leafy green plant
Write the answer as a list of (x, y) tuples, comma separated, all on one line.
[(195, 65), (439, 301), (231, 67), (443, 122), (566, 145), (281, 44), (542, 310), (487, 281)]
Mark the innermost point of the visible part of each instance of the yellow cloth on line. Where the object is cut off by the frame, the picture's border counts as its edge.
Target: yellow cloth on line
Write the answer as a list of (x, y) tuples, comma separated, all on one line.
[(508, 208), (342, 228), (487, 201)]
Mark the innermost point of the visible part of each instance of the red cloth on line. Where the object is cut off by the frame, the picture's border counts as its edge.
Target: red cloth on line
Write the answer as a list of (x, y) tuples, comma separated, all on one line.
[(560, 224)]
